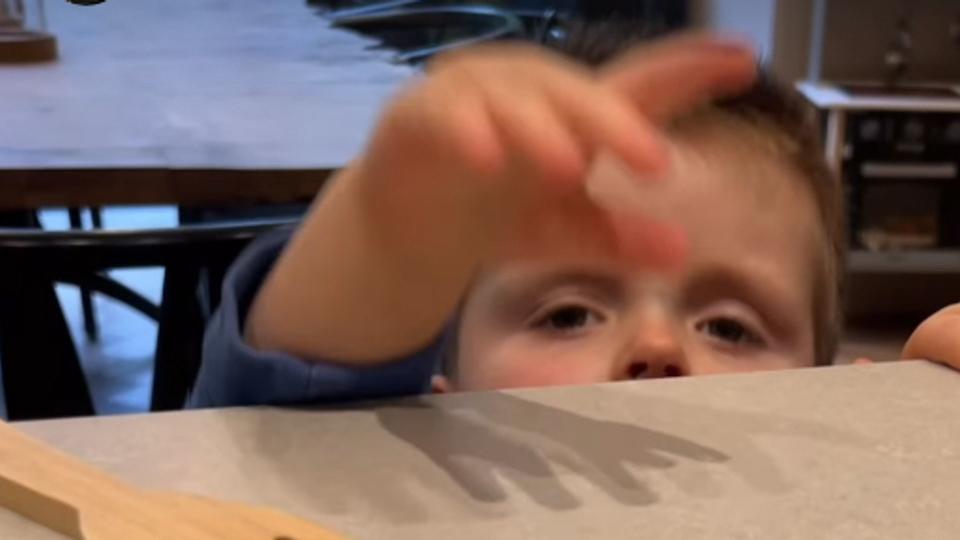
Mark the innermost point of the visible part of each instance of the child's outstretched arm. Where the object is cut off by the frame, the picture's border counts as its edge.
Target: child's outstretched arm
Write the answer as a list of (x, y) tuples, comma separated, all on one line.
[(384, 256), (938, 338)]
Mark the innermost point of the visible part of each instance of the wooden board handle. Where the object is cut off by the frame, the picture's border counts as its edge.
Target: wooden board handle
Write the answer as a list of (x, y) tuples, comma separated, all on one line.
[(52, 488)]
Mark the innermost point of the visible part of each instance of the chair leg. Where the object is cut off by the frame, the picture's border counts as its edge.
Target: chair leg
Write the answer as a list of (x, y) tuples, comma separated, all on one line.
[(42, 377), (96, 216), (90, 326), (86, 296), (179, 339)]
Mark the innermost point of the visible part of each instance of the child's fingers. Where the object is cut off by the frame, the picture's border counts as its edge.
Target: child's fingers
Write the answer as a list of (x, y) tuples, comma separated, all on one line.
[(474, 135), (599, 116), (647, 242), (672, 78), (449, 119), (603, 119), (682, 42), (937, 339), (530, 126)]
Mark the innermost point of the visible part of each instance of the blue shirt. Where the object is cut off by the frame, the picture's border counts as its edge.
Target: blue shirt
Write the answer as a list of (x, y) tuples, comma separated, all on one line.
[(233, 373)]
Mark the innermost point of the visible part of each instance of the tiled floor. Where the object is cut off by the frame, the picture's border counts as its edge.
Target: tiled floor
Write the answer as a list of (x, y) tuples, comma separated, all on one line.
[(119, 365)]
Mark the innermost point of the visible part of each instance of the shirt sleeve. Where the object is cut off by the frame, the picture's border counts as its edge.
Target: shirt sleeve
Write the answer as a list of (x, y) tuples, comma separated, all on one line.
[(232, 373)]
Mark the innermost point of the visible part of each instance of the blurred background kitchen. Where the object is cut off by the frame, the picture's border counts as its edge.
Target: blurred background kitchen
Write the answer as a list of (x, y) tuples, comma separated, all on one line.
[(143, 143)]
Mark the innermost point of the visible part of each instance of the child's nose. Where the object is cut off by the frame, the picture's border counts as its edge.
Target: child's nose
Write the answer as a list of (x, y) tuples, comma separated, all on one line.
[(656, 351)]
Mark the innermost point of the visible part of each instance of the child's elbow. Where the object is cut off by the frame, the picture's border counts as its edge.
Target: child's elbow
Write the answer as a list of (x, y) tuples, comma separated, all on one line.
[(937, 338)]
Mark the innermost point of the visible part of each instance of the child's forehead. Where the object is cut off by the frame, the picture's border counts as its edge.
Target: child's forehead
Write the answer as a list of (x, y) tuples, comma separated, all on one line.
[(719, 172), (738, 203), (729, 185), (735, 143), (715, 166)]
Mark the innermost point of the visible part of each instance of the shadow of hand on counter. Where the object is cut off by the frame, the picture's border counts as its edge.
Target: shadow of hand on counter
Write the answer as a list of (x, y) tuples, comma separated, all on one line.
[(468, 456), (527, 443), (481, 441)]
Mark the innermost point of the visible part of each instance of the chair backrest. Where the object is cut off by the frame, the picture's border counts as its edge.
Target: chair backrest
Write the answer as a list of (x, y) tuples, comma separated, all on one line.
[(413, 31), (102, 249), (367, 8), (195, 258)]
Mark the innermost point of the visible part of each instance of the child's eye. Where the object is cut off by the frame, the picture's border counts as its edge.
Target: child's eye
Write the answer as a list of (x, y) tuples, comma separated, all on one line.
[(569, 318), (730, 330)]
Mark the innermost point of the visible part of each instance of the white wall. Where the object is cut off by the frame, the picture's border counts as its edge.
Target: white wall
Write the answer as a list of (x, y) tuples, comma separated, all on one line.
[(793, 30), (779, 29), (751, 19), (856, 33)]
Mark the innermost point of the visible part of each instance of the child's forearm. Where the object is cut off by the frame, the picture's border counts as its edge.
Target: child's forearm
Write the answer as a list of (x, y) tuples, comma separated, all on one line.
[(938, 338), (343, 291)]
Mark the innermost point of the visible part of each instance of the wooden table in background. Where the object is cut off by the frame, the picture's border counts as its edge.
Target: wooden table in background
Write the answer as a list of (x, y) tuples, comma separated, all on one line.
[(851, 453), (187, 101)]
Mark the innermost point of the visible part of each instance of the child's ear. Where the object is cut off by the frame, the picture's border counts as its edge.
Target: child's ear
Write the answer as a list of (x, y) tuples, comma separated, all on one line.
[(440, 384)]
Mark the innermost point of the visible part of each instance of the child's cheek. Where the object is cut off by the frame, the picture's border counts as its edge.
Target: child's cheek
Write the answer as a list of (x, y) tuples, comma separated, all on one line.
[(519, 367)]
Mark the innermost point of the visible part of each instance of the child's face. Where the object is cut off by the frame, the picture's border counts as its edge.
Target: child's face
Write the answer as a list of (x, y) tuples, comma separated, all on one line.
[(573, 314)]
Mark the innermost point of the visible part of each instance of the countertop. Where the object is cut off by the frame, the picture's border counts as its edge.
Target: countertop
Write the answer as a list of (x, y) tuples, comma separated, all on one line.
[(864, 452)]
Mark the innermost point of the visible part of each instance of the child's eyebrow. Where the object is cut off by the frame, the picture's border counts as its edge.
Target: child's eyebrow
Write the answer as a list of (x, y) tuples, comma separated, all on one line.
[(775, 303), (529, 284)]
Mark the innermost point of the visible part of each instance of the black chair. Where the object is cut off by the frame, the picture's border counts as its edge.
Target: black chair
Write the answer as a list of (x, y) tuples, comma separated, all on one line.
[(418, 33), (42, 376), (338, 10), (86, 296)]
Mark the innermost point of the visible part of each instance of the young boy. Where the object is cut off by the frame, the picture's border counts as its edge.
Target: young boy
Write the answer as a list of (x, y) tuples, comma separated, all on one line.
[(522, 218)]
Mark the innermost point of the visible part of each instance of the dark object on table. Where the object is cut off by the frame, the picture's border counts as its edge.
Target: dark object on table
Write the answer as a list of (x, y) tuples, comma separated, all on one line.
[(41, 372)]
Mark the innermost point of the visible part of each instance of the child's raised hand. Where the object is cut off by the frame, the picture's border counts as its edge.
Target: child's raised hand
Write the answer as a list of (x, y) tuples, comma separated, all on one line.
[(937, 339), (495, 129), (490, 137)]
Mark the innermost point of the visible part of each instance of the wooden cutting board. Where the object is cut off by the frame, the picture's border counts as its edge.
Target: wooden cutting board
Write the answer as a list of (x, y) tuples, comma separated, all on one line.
[(75, 499)]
